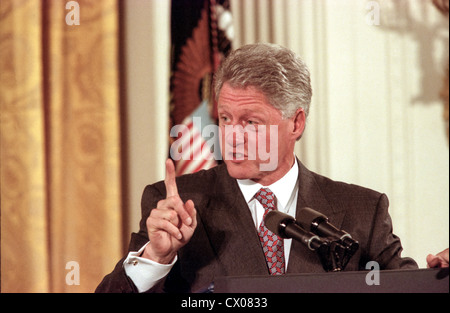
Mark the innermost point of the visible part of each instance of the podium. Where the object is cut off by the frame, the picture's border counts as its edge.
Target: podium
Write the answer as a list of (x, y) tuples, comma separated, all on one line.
[(390, 281)]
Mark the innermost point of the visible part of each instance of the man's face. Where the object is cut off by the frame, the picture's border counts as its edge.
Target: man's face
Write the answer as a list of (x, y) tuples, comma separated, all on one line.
[(256, 142)]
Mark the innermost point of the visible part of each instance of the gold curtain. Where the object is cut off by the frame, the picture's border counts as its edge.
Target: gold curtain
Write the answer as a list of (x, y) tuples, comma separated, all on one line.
[(60, 144)]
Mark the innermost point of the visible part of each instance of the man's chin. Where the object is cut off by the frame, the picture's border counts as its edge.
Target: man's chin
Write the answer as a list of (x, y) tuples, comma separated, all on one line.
[(238, 169)]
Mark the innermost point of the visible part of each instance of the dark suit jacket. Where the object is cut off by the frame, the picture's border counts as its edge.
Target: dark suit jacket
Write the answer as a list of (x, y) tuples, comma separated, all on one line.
[(226, 242)]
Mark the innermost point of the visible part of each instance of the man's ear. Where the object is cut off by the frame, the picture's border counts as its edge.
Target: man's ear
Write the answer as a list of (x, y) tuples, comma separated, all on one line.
[(299, 123)]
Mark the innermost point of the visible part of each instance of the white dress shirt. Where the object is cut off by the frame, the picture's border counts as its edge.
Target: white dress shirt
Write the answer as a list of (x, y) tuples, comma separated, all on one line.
[(146, 273), (286, 192)]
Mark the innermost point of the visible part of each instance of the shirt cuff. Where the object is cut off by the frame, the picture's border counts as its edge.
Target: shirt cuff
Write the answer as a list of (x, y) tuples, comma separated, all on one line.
[(143, 272)]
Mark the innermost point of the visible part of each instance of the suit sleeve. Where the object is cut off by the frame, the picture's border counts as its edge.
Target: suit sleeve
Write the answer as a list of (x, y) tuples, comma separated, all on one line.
[(384, 246)]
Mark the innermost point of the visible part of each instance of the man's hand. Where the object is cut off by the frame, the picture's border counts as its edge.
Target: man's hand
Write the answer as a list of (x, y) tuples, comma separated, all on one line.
[(438, 260), (171, 224)]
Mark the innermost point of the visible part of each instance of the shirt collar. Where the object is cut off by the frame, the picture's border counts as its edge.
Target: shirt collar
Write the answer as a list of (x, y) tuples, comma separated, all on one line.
[(282, 188)]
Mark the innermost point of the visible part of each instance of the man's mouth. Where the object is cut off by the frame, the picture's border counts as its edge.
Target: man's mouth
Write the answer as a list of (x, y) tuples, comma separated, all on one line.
[(236, 156)]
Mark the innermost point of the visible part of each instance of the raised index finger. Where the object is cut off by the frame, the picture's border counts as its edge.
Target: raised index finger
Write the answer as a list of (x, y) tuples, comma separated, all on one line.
[(169, 181)]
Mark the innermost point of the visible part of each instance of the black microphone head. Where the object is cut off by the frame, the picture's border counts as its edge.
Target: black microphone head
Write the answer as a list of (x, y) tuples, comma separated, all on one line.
[(276, 222), (307, 217)]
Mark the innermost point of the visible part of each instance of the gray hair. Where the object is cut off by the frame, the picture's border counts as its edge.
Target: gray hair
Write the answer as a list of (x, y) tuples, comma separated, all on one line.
[(272, 69)]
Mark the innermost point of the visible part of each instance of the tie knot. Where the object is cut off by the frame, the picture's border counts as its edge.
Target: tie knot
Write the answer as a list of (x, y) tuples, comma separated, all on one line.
[(266, 197)]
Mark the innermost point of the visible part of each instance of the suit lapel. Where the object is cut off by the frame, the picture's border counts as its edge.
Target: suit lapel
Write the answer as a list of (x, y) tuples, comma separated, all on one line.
[(231, 229), (302, 259), (233, 236)]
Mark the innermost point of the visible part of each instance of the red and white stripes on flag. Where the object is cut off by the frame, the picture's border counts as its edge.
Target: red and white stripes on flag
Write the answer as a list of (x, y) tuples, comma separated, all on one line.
[(196, 154), (200, 41)]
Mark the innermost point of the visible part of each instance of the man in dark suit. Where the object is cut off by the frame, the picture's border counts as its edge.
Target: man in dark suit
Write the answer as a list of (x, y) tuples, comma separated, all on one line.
[(208, 224)]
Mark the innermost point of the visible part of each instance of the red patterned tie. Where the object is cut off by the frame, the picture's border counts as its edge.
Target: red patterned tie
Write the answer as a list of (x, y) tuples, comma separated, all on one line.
[(272, 245)]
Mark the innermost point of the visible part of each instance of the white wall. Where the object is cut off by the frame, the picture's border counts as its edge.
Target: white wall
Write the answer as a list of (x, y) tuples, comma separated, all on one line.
[(147, 64), (376, 119)]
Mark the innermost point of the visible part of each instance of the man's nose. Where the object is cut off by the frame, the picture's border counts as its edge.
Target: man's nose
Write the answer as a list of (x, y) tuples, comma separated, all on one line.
[(234, 135)]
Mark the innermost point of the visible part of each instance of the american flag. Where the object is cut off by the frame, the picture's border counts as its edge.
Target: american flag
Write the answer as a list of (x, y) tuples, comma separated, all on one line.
[(200, 40)]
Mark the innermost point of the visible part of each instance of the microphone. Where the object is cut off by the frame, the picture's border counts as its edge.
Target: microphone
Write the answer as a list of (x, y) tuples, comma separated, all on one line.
[(318, 224), (284, 226)]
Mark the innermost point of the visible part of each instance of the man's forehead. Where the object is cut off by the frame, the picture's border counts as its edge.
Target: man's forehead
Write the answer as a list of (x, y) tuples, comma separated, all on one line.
[(240, 96)]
